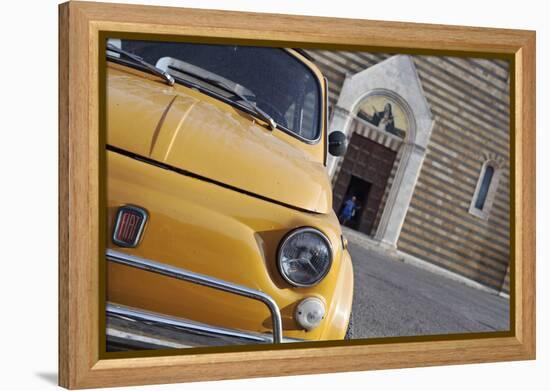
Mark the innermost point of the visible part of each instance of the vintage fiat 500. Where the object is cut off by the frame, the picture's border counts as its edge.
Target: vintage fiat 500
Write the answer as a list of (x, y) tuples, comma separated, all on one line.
[(220, 221)]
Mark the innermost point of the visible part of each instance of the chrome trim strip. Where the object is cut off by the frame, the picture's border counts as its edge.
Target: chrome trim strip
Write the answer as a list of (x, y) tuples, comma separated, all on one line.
[(201, 279), (118, 339), (189, 327), (325, 129)]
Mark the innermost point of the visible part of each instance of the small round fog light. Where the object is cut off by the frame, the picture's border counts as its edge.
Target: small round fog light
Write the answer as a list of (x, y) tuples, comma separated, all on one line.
[(309, 313)]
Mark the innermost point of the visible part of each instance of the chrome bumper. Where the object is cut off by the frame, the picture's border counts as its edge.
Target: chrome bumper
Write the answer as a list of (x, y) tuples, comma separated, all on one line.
[(132, 328), (191, 331)]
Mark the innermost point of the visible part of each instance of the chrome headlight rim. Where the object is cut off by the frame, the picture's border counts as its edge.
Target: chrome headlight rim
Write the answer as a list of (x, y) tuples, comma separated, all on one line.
[(287, 238)]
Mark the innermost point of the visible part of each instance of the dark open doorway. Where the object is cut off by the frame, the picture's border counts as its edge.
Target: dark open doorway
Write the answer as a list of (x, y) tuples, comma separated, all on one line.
[(365, 172), (359, 189)]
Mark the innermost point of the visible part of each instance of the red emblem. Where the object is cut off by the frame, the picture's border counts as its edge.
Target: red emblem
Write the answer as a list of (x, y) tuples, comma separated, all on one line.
[(129, 225)]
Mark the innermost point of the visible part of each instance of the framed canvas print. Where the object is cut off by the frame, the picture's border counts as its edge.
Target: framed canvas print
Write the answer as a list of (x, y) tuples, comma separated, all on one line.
[(297, 194)]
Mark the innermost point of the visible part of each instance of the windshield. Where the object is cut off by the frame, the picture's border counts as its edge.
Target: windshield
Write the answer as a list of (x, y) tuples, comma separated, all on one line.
[(270, 79)]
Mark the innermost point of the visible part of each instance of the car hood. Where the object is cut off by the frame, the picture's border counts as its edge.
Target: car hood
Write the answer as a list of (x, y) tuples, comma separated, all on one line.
[(203, 136)]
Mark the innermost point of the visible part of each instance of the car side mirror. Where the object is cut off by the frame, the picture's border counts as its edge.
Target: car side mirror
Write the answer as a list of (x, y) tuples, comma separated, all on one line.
[(337, 143)]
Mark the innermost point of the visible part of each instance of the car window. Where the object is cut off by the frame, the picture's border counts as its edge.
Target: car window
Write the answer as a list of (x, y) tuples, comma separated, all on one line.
[(270, 78)]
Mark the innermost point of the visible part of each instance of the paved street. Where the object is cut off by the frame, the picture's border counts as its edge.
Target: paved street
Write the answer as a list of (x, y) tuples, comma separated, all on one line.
[(392, 298)]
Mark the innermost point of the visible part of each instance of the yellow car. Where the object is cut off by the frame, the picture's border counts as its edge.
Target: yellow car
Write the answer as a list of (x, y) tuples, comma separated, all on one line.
[(220, 219)]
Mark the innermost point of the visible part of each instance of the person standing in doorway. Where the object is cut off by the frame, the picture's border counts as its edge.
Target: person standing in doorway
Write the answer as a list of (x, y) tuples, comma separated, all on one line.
[(348, 210)]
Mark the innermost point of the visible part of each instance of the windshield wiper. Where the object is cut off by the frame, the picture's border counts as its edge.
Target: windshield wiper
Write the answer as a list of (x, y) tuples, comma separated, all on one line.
[(157, 71), (220, 84)]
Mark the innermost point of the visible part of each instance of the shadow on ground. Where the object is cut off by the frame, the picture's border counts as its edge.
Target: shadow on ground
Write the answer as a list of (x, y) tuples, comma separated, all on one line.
[(48, 377)]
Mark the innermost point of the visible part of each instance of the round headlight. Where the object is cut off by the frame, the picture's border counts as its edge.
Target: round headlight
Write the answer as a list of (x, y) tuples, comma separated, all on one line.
[(305, 257)]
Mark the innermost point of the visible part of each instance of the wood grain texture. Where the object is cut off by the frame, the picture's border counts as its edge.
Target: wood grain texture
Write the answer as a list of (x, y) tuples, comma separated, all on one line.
[(64, 353), (80, 365)]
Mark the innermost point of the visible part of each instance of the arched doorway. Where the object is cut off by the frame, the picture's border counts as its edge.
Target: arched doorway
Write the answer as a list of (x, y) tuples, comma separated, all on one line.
[(392, 81)]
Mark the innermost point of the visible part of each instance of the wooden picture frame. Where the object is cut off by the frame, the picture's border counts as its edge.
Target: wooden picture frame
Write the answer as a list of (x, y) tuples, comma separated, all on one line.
[(81, 363)]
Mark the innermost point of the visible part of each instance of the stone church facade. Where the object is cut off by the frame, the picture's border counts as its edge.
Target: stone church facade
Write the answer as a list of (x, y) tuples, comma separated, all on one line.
[(428, 156)]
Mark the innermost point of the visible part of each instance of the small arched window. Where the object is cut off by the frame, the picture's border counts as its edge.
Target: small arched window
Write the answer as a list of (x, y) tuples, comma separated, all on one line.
[(484, 189), (484, 194)]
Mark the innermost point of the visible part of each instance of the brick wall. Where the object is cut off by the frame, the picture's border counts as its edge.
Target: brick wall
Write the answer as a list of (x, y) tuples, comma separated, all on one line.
[(469, 99)]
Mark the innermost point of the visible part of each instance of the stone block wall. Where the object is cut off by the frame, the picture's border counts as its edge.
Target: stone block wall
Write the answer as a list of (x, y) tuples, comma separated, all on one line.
[(469, 99)]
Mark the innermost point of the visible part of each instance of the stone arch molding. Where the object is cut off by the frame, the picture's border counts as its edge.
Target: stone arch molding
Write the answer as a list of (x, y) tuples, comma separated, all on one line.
[(397, 78), (411, 131), (498, 160)]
